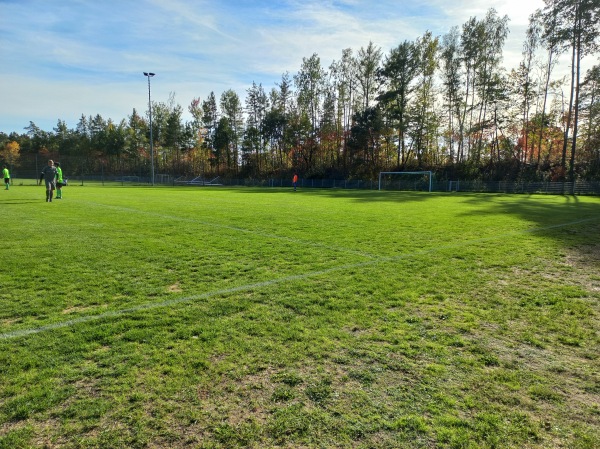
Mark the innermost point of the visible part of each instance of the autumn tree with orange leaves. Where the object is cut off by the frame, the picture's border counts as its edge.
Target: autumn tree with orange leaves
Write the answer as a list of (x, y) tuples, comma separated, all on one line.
[(10, 153)]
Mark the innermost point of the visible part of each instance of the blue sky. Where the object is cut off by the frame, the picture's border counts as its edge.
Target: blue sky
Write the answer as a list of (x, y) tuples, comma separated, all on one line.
[(62, 59)]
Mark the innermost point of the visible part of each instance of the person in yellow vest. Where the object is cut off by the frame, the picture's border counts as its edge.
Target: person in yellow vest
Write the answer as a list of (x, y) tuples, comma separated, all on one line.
[(59, 181), (6, 176)]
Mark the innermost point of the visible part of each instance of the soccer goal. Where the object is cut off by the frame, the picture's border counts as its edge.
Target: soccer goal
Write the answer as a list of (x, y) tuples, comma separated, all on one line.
[(406, 180), (161, 178)]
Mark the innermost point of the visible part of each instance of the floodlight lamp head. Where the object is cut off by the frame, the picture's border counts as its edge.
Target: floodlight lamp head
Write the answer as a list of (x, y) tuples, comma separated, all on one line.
[(149, 74)]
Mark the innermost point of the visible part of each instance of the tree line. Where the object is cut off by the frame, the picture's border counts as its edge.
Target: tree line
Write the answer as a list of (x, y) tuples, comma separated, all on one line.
[(441, 103)]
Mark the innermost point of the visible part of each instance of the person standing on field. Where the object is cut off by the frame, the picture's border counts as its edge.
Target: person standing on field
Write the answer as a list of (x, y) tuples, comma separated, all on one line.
[(59, 181), (49, 175), (6, 176), (295, 181)]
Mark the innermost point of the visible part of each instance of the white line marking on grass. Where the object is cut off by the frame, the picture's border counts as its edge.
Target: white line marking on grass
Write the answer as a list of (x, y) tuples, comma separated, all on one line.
[(170, 302), (237, 229), (258, 285)]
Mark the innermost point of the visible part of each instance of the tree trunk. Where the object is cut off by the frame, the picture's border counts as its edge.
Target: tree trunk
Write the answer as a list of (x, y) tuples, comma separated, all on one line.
[(574, 145)]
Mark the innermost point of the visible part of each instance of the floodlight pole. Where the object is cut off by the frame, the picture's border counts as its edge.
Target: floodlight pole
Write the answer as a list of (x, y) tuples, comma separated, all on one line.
[(150, 75)]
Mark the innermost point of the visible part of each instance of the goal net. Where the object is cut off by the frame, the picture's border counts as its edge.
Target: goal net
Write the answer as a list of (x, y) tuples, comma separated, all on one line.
[(162, 178), (406, 180)]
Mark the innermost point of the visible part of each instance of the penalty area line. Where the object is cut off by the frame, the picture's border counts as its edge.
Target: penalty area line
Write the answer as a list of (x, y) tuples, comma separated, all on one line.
[(257, 285), (169, 302), (237, 229)]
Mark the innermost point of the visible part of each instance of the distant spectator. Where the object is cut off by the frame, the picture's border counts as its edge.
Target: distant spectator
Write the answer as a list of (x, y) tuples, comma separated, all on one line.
[(6, 176), (59, 181)]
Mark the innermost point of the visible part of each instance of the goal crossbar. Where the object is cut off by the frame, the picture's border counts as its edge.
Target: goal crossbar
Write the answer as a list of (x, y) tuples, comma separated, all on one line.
[(429, 173)]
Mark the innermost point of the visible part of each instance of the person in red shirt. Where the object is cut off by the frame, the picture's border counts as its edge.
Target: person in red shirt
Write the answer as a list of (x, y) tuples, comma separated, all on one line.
[(295, 180)]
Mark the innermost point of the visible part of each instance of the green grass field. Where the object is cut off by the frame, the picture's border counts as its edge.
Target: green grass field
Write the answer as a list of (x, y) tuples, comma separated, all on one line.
[(138, 317)]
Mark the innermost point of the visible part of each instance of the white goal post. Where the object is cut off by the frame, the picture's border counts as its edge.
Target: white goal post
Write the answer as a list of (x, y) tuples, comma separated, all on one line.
[(427, 185)]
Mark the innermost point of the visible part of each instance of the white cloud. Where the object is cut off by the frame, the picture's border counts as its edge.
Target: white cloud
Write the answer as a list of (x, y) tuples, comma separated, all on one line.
[(62, 59)]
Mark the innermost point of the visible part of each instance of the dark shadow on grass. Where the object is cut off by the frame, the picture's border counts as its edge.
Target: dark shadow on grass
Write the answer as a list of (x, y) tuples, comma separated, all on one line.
[(571, 220), (22, 201), (367, 196), (543, 210)]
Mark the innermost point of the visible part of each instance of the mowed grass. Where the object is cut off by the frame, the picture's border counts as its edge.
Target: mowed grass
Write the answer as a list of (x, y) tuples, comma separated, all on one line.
[(138, 317)]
